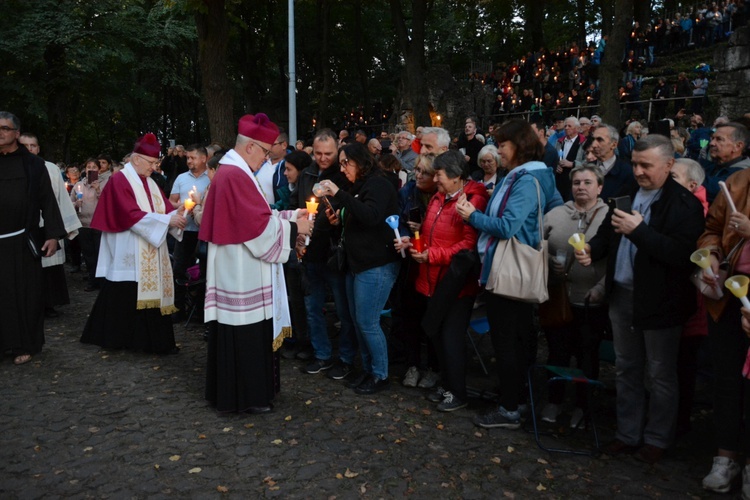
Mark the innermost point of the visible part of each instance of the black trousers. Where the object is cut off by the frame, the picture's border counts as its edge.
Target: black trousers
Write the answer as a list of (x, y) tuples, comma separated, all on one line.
[(729, 346), (510, 329), (90, 240), (451, 346)]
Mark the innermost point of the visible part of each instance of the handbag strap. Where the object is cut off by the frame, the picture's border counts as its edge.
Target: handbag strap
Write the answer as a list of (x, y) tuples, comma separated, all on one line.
[(539, 213)]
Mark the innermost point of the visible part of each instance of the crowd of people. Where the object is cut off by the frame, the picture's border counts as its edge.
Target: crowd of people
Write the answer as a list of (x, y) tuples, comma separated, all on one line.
[(420, 225), (545, 81)]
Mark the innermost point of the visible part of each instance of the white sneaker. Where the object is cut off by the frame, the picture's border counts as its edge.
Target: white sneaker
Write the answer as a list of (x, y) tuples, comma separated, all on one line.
[(411, 378), (550, 413), (429, 380), (576, 417), (746, 483), (723, 474)]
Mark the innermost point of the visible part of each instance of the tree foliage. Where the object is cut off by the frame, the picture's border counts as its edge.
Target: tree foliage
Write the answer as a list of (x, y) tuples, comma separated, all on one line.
[(89, 77)]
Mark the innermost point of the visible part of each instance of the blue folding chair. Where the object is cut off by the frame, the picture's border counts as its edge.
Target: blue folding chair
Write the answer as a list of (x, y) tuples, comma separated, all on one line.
[(574, 375), (481, 327)]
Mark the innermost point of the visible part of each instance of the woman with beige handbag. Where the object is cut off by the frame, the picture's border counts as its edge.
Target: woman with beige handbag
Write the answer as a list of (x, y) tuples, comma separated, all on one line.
[(514, 259)]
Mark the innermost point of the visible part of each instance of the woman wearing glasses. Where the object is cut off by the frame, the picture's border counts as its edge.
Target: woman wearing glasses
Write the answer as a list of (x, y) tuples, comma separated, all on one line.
[(371, 262)]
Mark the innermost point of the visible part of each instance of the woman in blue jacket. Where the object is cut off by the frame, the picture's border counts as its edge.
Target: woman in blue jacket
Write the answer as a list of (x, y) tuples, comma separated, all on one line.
[(512, 212)]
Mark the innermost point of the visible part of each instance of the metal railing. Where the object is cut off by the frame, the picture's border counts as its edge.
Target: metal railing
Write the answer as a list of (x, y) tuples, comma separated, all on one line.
[(577, 111)]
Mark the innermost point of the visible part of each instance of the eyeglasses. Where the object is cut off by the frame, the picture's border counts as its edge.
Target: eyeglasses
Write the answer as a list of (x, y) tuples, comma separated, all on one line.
[(266, 152), (277, 143), (151, 163), (6, 128), (345, 162)]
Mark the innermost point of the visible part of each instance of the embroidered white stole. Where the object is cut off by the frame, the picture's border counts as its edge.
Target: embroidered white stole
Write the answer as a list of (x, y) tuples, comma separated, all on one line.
[(153, 268)]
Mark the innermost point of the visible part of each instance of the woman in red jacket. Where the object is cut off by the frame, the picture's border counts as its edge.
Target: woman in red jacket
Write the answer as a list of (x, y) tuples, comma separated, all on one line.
[(444, 235)]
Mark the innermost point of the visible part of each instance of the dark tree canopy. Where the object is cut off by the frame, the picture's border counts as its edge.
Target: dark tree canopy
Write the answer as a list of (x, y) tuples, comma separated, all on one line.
[(89, 77)]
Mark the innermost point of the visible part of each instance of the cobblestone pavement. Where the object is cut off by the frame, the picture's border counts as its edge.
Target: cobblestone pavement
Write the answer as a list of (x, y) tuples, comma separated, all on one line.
[(80, 422)]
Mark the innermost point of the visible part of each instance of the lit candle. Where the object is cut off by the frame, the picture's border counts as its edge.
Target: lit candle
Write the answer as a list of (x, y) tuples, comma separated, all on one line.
[(312, 209)]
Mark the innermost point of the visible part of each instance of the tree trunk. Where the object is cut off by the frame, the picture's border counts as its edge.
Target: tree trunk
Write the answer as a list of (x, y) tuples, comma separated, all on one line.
[(213, 40), (534, 19), (611, 71), (324, 71), (642, 12), (607, 11), (361, 64), (583, 6), (58, 103), (411, 42)]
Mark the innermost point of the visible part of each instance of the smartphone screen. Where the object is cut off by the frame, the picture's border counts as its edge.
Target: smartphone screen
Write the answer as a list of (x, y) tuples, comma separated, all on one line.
[(621, 203), (93, 175), (414, 215)]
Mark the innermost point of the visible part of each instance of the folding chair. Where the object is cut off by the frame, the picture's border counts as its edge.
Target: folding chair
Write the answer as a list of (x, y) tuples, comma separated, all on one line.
[(195, 291), (480, 326), (565, 374)]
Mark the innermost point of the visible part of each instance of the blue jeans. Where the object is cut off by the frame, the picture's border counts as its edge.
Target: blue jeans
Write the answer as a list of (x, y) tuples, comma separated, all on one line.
[(638, 352), (317, 276), (367, 293)]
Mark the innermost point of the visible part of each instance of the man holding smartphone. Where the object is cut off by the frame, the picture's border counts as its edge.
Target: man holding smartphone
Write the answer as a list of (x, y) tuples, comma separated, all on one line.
[(650, 296)]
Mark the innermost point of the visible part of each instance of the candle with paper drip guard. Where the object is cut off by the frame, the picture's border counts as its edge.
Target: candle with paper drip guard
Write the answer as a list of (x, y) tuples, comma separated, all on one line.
[(189, 204), (392, 221), (701, 258), (312, 209), (738, 286), (578, 241)]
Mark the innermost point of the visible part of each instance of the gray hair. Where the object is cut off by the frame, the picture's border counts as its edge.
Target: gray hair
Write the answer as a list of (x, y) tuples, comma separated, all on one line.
[(632, 126), (614, 135), (406, 134), (655, 141), (4, 115), (573, 120), (589, 168), (693, 169), (442, 135), (739, 132), (489, 149), (452, 162)]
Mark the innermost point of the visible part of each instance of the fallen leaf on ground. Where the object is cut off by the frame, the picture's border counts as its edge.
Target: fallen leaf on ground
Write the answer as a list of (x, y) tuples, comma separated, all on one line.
[(511, 449), (478, 434), (495, 460), (548, 474), (288, 418), (201, 436), (508, 494), (222, 489), (277, 441), (350, 474), (227, 429), (88, 448), (542, 461), (194, 470), (157, 466), (308, 402), (249, 426), (339, 475), (174, 458), (541, 487)]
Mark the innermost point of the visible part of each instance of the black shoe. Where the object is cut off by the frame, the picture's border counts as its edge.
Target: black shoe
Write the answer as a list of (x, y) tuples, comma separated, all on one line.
[(436, 396), (340, 371), (353, 381), (318, 365), (259, 410), (372, 385), (289, 350), (49, 312), (305, 353)]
